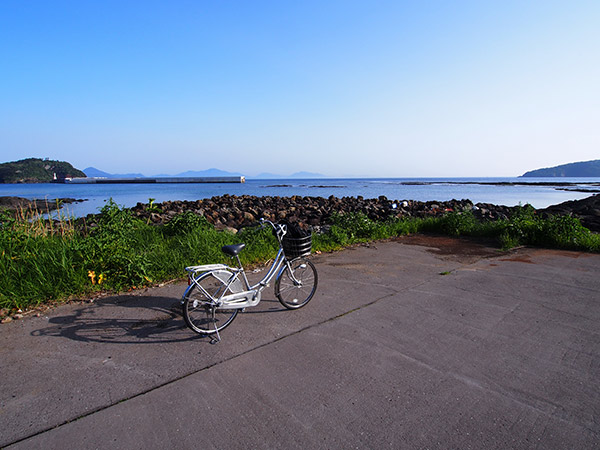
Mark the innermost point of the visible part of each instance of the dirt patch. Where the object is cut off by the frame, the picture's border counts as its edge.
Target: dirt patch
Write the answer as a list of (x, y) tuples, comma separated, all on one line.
[(519, 258), (457, 249)]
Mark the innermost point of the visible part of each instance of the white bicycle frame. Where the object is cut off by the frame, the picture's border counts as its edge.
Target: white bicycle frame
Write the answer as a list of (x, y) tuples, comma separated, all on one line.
[(238, 293)]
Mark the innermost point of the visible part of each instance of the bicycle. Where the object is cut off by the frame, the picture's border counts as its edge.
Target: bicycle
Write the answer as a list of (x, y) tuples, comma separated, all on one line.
[(217, 292)]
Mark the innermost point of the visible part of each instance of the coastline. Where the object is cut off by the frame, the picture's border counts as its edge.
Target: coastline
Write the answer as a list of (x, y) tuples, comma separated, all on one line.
[(235, 212), (593, 187), (43, 205), (540, 193), (113, 248)]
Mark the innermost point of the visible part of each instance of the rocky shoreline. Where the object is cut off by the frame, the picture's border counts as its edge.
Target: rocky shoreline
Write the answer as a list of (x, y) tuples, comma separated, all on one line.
[(587, 210), (236, 212), (40, 205)]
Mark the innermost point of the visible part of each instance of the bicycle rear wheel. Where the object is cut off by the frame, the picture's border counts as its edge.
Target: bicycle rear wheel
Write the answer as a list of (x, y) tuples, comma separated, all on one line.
[(199, 314), (294, 294)]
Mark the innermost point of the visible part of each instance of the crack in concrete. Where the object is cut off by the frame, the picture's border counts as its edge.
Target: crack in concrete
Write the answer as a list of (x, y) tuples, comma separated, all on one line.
[(216, 363)]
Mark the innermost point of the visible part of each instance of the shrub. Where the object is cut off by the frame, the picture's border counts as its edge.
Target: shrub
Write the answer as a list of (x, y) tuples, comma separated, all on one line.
[(42, 261), (458, 223), (349, 228), (185, 223), (117, 248)]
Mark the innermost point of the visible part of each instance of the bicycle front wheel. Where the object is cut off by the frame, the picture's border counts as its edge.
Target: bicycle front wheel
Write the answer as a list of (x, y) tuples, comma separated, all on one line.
[(199, 312), (295, 289)]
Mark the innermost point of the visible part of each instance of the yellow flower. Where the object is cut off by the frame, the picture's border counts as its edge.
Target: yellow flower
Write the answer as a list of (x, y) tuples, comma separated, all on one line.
[(101, 278), (92, 276)]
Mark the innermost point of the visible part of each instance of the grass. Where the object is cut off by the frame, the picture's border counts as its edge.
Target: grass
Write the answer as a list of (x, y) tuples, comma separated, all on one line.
[(525, 227), (43, 261)]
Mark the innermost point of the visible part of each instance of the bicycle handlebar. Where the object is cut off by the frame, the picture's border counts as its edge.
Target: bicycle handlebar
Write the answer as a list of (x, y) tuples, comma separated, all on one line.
[(280, 229)]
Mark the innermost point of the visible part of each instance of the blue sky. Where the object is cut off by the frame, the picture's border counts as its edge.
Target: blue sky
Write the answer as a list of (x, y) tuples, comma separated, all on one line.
[(344, 88)]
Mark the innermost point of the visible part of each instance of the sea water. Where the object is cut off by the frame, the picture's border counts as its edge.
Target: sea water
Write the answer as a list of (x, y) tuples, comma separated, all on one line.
[(421, 189)]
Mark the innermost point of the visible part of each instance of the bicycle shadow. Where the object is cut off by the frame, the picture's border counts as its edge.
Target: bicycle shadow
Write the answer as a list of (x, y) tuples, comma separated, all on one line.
[(266, 305), (122, 320), (129, 319)]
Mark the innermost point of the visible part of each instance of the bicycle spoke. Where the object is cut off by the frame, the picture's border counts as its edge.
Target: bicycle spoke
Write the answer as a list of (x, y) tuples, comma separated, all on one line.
[(199, 310), (295, 289)]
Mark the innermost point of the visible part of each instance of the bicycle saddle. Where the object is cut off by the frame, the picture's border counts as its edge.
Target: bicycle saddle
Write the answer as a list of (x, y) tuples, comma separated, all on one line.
[(233, 250)]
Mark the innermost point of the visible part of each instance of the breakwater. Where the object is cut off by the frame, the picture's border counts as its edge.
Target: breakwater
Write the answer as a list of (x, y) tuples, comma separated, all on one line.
[(155, 180)]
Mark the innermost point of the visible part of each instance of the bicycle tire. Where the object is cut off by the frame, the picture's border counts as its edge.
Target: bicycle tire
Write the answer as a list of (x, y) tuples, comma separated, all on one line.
[(198, 314), (294, 296)]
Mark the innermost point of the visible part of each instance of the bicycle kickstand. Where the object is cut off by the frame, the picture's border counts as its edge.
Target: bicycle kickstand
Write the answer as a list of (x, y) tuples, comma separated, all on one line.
[(218, 339)]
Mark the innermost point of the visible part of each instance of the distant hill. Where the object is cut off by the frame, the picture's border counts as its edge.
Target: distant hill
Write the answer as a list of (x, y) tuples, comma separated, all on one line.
[(92, 172), (274, 176), (589, 169), (208, 173), (37, 170), (306, 175)]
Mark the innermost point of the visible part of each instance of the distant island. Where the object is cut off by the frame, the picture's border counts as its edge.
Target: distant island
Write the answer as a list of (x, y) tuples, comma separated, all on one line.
[(274, 176), (37, 170), (590, 169), (94, 172)]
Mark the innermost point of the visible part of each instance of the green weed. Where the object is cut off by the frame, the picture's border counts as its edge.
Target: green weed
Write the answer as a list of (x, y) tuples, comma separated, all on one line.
[(43, 260)]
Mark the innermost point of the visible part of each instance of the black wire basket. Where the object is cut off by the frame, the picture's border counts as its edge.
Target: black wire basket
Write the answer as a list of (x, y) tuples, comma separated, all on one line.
[(295, 247)]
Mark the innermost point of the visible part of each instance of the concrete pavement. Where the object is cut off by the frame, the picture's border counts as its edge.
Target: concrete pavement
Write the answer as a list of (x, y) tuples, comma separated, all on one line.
[(422, 342)]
